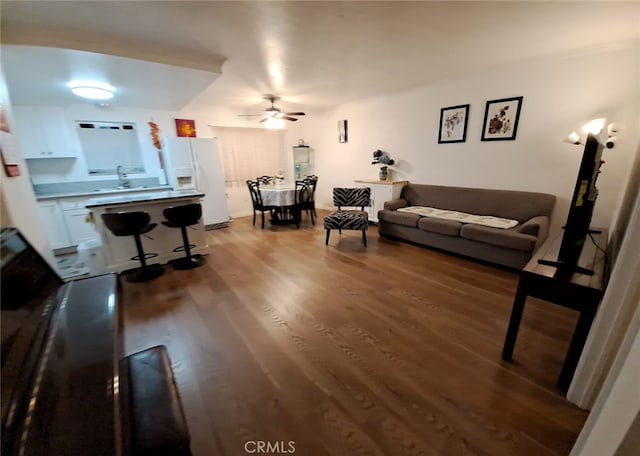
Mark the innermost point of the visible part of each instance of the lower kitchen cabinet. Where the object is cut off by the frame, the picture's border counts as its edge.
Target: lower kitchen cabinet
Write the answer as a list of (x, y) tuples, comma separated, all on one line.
[(77, 220), (54, 225), (80, 230), (381, 191)]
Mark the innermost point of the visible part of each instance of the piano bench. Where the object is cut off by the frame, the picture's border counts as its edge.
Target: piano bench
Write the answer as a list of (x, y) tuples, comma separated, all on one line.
[(154, 416)]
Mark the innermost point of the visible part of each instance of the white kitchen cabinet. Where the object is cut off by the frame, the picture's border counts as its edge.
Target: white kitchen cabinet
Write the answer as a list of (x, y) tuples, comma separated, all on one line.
[(381, 191), (76, 218), (43, 132), (54, 224)]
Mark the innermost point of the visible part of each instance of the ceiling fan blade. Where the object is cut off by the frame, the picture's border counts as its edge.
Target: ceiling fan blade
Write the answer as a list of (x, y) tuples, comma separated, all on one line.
[(274, 113)]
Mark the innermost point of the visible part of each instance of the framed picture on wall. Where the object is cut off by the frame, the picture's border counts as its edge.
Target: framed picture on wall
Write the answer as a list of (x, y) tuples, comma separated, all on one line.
[(185, 128), (343, 134), (501, 119), (453, 124)]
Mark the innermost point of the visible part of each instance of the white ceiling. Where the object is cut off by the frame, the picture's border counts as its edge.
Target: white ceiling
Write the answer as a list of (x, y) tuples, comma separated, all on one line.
[(39, 75), (313, 54)]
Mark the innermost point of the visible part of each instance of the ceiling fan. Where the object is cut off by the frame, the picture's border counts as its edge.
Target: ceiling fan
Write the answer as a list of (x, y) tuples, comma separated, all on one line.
[(274, 113)]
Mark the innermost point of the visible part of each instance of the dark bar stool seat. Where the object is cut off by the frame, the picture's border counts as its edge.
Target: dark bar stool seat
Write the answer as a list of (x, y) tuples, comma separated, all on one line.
[(182, 217), (135, 224)]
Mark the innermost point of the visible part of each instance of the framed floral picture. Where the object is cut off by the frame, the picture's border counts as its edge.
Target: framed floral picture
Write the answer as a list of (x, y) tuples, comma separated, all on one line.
[(501, 119), (453, 124)]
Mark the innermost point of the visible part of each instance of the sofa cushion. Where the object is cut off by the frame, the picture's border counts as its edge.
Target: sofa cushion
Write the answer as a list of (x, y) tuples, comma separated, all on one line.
[(346, 220), (399, 218), (510, 239), (441, 226)]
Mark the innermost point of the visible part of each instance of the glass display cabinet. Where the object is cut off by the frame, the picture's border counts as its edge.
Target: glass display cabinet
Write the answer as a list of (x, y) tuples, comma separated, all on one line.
[(302, 162)]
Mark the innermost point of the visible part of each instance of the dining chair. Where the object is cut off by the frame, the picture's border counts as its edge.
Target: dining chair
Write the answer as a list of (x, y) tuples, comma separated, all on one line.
[(256, 200), (264, 180), (349, 219), (303, 199), (313, 179)]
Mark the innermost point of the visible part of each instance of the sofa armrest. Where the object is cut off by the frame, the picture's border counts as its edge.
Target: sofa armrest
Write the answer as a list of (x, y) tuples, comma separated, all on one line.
[(395, 204), (537, 226)]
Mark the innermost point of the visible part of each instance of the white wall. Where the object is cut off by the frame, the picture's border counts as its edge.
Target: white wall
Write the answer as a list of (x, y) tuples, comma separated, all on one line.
[(559, 96), (617, 405), (19, 208)]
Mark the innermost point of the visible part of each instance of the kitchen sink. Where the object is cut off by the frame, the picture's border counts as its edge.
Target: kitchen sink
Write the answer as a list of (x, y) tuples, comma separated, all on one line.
[(120, 189)]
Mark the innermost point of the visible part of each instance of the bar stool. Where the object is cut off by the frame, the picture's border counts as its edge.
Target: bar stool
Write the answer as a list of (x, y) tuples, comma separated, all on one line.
[(135, 224), (182, 217)]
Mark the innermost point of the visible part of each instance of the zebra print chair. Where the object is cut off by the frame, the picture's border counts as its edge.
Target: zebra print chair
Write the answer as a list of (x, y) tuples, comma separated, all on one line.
[(349, 219)]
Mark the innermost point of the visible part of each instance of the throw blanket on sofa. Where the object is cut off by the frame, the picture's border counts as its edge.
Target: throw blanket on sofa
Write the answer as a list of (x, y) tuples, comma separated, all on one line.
[(462, 217)]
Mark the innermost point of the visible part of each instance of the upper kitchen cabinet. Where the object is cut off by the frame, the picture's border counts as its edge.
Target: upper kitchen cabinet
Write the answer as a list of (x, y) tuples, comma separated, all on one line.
[(43, 132)]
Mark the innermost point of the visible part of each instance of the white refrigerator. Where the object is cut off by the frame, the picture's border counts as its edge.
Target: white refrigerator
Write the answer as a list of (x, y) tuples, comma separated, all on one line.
[(194, 164)]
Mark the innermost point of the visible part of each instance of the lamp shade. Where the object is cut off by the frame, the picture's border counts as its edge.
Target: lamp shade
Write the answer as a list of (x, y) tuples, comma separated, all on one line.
[(573, 138), (594, 126)]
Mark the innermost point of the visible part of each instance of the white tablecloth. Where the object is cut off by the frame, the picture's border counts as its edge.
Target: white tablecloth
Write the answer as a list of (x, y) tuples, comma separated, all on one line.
[(278, 195)]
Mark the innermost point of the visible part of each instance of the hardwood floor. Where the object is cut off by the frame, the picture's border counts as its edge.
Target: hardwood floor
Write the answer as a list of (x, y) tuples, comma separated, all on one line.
[(391, 349)]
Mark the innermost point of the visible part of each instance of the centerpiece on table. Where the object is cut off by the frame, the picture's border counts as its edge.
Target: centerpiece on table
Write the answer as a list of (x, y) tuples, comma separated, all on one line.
[(382, 158), (278, 178)]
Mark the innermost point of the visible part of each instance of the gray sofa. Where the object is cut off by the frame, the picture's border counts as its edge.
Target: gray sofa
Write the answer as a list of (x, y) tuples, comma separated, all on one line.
[(511, 247)]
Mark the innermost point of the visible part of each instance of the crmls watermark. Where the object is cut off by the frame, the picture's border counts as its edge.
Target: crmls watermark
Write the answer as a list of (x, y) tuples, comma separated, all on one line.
[(266, 447)]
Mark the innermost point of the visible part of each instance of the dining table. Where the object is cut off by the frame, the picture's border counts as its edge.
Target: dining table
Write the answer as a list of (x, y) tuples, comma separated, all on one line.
[(280, 196)]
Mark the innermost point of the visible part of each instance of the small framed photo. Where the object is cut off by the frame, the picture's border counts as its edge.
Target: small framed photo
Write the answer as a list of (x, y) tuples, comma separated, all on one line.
[(185, 128), (453, 124), (343, 134), (501, 119)]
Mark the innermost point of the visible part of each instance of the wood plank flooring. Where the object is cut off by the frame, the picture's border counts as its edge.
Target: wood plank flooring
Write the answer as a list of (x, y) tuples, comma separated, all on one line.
[(392, 349)]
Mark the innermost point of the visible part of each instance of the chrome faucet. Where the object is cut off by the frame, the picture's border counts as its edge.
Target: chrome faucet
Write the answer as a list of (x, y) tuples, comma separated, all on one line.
[(123, 182)]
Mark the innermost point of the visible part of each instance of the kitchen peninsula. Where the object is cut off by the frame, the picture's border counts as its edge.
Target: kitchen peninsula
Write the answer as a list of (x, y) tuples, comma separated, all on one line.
[(162, 240)]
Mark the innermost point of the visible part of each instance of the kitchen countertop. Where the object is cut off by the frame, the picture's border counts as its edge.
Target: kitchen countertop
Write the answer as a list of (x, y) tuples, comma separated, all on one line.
[(109, 191), (140, 198)]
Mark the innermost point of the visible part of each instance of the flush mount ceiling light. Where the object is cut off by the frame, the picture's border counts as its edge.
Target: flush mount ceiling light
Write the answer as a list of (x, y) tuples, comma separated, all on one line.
[(93, 90)]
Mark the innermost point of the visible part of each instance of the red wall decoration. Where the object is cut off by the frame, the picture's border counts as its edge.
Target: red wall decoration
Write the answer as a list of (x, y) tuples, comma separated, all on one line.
[(186, 128)]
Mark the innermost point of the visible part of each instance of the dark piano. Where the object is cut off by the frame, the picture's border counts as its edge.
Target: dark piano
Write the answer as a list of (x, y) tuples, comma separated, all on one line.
[(60, 352), (66, 388)]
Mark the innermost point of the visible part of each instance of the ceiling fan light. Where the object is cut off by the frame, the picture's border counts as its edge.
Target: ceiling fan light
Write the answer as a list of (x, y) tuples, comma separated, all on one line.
[(273, 123), (92, 90)]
